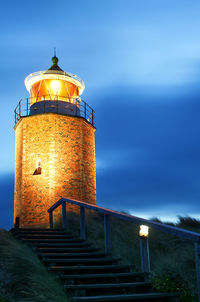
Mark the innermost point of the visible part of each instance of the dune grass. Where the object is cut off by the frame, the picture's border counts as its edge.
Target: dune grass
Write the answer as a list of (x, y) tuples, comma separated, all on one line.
[(22, 276), (3, 299), (172, 259)]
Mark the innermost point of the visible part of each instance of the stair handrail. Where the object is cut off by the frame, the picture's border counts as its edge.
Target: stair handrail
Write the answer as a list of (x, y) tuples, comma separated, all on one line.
[(144, 248)]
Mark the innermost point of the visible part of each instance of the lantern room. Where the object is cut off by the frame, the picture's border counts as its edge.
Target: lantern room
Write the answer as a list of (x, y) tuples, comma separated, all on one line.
[(54, 85)]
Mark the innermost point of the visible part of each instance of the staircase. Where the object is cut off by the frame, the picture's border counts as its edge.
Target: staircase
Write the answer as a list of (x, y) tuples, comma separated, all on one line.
[(87, 273)]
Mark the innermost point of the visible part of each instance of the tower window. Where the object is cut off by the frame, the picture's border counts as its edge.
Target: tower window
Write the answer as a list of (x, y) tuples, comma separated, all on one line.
[(38, 169)]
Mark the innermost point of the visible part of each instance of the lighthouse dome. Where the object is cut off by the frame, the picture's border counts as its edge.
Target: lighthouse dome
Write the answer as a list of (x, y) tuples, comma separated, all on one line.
[(53, 84)]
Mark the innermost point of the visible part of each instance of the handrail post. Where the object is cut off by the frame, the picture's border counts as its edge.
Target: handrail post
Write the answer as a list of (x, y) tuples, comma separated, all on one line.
[(51, 220), (27, 106), (92, 117), (20, 108), (144, 254), (197, 263), (85, 109), (64, 215), (82, 223), (107, 233)]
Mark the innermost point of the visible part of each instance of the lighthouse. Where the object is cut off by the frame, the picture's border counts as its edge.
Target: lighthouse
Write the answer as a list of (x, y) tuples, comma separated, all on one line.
[(55, 146)]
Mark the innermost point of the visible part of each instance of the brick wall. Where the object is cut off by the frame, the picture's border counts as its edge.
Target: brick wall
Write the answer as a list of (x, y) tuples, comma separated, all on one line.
[(66, 147)]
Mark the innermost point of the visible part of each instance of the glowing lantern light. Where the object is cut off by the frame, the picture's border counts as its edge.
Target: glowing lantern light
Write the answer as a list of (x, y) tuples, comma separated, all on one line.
[(55, 85), (144, 231)]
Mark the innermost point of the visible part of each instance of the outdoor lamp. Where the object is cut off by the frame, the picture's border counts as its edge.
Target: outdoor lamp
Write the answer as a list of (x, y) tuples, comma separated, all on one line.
[(144, 231)]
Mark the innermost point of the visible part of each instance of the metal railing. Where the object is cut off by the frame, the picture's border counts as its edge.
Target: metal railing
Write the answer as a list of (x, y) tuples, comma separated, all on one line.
[(54, 104), (144, 247)]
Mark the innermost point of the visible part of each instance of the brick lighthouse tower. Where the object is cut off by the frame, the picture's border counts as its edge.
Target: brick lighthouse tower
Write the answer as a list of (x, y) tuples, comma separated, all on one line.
[(55, 146)]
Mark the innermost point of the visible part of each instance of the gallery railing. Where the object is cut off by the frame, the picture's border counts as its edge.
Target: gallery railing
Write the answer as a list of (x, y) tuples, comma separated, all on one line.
[(55, 104), (144, 247)]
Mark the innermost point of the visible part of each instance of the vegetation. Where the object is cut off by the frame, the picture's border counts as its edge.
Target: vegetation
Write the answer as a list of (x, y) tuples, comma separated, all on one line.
[(22, 277), (172, 259), (3, 299)]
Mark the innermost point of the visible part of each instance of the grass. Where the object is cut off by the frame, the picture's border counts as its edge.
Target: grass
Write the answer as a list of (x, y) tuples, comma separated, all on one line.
[(172, 259), (22, 276), (3, 299)]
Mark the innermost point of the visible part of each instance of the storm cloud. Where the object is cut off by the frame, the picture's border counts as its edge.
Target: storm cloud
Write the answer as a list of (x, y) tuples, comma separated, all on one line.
[(148, 152)]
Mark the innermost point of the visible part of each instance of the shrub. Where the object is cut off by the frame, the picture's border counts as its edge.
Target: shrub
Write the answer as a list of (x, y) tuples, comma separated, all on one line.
[(173, 283)]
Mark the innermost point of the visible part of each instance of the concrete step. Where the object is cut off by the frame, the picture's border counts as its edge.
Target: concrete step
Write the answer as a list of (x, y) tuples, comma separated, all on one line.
[(49, 240), (72, 255), (36, 230), (66, 250), (63, 245), (105, 286), (146, 297), (108, 288), (75, 261), (134, 276), (43, 236), (91, 268)]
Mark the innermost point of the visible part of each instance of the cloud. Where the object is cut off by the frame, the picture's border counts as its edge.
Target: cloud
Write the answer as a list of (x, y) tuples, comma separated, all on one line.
[(150, 149)]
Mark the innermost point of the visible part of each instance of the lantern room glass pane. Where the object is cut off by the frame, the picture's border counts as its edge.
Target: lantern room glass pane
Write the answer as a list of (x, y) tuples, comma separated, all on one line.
[(53, 90)]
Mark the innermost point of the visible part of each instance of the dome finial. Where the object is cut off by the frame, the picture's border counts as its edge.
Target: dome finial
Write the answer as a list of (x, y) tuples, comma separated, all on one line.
[(55, 59)]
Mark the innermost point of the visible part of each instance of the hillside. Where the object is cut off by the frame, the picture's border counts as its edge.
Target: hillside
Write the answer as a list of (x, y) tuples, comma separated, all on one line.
[(22, 277)]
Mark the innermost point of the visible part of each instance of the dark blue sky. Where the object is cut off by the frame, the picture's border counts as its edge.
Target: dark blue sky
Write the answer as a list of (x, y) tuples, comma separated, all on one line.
[(140, 61)]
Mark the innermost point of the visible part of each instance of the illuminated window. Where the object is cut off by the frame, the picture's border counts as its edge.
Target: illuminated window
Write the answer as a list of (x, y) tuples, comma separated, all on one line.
[(38, 169)]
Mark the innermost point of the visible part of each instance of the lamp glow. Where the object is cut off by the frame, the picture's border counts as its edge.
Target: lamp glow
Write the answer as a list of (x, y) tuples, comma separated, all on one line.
[(144, 231), (55, 85)]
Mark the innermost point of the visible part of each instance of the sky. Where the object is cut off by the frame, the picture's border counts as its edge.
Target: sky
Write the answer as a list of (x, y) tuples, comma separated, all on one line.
[(140, 61)]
